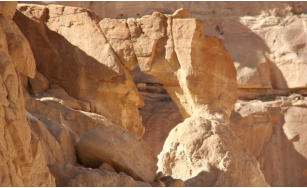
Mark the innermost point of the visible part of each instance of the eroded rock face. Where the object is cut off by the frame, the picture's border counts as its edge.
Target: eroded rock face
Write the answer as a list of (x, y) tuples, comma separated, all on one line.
[(22, 160), (266, 40), (274, 131), (92, 60), (120, 148), (83, 62)]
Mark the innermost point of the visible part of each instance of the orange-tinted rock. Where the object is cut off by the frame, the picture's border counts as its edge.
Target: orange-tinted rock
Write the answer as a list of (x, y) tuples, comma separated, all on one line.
[(83, 62), (22, 159), (8, 8)]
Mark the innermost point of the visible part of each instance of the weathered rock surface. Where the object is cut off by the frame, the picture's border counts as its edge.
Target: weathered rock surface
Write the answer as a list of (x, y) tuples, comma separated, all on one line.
[(57, 142), (18, 48), (266, 39), (120, 148), (205, 152), (22, 160), (274, 131), (83, 62), (65, 117), (75, 176), (180, 49), (87, 84)]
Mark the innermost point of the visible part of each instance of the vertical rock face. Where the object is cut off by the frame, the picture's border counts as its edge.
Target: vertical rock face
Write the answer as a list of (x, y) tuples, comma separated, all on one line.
[(22, 159)]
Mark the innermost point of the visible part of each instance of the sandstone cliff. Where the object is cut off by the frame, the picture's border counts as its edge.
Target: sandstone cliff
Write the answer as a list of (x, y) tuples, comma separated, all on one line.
[(93, 101)]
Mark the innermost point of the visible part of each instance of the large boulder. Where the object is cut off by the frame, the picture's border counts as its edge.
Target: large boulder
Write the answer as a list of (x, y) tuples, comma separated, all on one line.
[(120, 148), (205, 152)]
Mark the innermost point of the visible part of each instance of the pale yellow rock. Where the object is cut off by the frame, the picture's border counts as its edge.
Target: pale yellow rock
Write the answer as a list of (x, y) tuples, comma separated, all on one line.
[(254, 33), (274, 131), (205, 152), (118, 35)]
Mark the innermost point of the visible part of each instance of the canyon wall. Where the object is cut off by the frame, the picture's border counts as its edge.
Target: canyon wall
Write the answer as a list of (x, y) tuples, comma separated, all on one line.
[(90, 100)]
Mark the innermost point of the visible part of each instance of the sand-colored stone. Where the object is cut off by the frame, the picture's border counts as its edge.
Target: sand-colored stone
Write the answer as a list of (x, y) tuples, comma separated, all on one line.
[(22, 160), (83, 62), (57, 143), (77, 176), (120, 148), (76, 121), (274, 132), (205, 152), (265, 39), (18, 48)]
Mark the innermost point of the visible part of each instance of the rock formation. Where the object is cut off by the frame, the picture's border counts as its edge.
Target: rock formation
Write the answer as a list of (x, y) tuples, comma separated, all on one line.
[(90, 101), (83, 62), (22, 160), (274, 131), (120, 148), (266, 40)]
